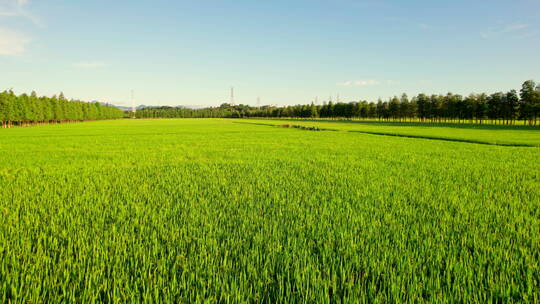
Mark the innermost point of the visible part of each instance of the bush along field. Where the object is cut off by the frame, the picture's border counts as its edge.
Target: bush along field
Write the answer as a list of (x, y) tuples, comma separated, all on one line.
[(212, 210)]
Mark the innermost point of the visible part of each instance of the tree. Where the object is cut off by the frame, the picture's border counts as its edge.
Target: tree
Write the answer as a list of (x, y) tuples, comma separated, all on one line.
[(4, 108), (404, 107), (422, 102), (494, 103), (30, 109), (528, 100), (393, 108), (435, 108), (502, 107), (510, 107), (480, 107), (314, 111), (469, 104)]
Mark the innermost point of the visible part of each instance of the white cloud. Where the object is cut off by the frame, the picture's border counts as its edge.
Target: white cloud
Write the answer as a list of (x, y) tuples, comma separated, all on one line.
[(426, 26), (17, 8), (514, 27), (359, 83), (12, 42), (504, 30), (526, 35), (90, 65)]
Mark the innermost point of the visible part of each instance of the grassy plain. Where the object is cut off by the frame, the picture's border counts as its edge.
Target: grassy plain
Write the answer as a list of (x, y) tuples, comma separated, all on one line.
[(219, 210), (519, 135)]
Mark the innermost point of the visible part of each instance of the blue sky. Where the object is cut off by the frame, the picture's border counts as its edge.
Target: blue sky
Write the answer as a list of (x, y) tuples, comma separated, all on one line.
[(285, 52)]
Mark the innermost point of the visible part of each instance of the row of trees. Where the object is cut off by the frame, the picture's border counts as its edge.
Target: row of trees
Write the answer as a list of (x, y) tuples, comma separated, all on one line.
[(498, 107), (25, 110), (225, 111)]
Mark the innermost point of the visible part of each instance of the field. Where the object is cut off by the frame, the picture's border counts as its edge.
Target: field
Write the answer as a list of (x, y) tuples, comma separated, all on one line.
[(214, 210), (526, 136)]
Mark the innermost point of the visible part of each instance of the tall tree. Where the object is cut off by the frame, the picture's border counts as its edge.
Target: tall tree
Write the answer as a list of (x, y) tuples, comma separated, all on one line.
[(527, 100)]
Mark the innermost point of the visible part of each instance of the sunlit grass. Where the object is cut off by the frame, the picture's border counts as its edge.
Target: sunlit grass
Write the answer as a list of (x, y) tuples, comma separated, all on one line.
[(488, 134), (217, 211)]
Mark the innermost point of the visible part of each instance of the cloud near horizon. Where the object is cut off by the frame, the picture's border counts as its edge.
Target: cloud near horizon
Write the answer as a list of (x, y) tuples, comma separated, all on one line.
[(359, 83)]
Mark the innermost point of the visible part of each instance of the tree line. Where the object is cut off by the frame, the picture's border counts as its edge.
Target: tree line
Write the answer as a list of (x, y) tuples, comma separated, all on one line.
[(26, 110), (500, 107)]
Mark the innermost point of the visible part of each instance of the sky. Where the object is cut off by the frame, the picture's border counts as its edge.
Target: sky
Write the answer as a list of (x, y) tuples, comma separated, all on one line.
[(282, 52)]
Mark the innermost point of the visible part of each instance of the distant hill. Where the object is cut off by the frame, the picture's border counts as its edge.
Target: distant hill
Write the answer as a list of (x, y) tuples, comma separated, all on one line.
[(140, 107)]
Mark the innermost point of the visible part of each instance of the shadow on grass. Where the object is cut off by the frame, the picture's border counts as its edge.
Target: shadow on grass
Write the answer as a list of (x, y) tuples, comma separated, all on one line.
[(470, 141)]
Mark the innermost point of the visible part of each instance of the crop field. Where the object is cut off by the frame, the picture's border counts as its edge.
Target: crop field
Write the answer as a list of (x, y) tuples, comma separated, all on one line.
[(232, 211), (504, 135)]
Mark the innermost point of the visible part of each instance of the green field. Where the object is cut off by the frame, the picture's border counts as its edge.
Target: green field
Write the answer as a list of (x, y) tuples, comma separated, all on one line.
[(213, 210), (474, 133)]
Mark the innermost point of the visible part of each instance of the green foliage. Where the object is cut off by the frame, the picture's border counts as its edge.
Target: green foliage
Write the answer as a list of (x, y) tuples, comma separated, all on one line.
[(186, 211), (530, 101), (502, 108), (24, 109)]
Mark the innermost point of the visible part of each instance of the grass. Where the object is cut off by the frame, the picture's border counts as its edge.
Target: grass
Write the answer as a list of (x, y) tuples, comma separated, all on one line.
[(217, 211), (483, 134)]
